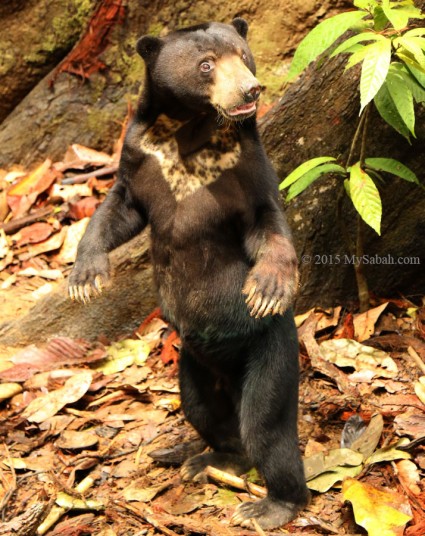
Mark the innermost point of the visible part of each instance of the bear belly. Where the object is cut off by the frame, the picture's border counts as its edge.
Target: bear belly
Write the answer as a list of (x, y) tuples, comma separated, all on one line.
[(200, 289)]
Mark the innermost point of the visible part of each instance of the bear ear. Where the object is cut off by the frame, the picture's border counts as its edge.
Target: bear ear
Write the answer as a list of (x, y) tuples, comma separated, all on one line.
[(241, 26), (148, 46)]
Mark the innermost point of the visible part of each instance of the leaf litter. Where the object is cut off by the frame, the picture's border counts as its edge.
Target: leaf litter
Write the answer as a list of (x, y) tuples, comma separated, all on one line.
[(93, 433)]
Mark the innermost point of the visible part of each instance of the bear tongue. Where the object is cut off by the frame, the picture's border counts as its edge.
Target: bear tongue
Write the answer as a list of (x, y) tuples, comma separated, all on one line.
[(244, 109)]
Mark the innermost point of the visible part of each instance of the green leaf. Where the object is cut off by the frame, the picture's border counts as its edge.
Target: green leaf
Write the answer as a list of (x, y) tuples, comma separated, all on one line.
[(389, 113), (397, 17), (303, 182), (325, 481), (415, 32), (419, 41), (409, 59), (321, 462), (390, 165), (401, 70), (357, 56), (419, 75), (374, 70), (321, 38), (411, 45), (365, 4), (380, 20), (411, 10), (365, 197), (387, 454), (304, 168), (348, 43), (402, 98)]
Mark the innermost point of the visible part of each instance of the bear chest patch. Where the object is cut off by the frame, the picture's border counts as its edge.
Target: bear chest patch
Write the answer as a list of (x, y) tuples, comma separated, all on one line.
[(186, 174)]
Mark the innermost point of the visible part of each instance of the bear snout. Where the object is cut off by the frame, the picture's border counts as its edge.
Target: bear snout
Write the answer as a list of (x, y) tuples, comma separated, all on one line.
[(235, 89), (251, 91)]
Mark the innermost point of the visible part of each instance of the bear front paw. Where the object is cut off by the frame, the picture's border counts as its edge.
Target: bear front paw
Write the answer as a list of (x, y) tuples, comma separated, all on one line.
[(88, 277), (270, 288)]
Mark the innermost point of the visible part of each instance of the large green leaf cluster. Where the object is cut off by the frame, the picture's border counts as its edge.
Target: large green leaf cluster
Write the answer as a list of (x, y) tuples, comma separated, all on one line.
[(392, 58)]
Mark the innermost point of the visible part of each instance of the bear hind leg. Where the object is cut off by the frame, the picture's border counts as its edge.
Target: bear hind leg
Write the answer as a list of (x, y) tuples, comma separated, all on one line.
[(269, 426), (212, 412)]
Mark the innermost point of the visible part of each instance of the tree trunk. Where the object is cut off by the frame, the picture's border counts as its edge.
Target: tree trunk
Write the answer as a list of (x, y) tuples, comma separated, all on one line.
[(38, 36), (121, 307)]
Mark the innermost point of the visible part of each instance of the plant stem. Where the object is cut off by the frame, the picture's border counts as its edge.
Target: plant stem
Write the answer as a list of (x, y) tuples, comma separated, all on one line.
[(362, 286), (356, 136), (364, 134), (358, 249)]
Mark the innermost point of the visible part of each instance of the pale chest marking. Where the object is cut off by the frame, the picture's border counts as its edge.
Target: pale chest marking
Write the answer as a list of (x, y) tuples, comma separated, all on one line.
[(186, 175)]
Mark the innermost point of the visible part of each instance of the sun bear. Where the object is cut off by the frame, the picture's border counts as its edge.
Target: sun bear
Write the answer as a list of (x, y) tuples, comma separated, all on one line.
[(194, 168)]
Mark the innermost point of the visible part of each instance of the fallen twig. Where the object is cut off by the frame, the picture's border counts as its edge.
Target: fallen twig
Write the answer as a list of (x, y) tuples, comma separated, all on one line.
[(78, 179), (58, 511), (147, 515), (416, 358), (14, 225), (257, 527), (235, 481)]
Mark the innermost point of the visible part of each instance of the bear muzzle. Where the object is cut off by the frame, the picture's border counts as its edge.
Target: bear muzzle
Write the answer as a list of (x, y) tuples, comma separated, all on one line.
[(235, 90), (251, 94)]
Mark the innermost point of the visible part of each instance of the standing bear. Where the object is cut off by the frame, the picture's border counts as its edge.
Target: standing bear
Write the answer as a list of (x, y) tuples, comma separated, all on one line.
[(194, 168)]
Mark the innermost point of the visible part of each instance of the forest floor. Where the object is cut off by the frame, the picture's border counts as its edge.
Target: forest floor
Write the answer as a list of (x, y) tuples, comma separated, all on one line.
[(92, 433)]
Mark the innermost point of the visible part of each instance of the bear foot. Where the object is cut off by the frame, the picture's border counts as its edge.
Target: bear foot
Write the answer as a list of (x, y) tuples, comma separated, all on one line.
[(268, 513), (88, 278), (193, 468)]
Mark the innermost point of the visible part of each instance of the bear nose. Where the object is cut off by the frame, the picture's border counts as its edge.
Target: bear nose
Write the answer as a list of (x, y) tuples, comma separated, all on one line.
[(252, 92)]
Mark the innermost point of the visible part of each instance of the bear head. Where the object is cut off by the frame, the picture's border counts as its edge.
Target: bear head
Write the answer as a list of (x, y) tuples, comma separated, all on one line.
[(203, 68)]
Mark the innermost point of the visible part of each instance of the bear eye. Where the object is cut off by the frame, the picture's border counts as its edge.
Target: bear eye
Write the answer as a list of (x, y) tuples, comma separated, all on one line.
[(206, 66), (244, 57)]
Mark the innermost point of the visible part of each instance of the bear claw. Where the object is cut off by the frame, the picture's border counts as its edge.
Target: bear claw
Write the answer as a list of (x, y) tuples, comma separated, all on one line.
[(84, 293), (260, 306)]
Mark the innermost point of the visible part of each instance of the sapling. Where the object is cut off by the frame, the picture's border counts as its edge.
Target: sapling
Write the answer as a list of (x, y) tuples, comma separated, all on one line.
[(386, 40)]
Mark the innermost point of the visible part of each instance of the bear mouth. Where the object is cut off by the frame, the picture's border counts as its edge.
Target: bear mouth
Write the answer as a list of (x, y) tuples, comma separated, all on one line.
[(244, 110)]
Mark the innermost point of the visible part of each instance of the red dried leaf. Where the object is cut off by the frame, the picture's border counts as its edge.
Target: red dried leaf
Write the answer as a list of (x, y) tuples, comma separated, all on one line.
[(23, 194), (37, 232), (416, 530), (168, 353), (347, 329), (84, 208), (156, 313), (19, 373), (263, 109)]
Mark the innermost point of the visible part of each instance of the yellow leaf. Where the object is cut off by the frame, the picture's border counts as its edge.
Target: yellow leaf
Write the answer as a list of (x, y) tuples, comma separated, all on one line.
[(123, 354), (420, 389), (73, 503), (381, 513), (7, 390)]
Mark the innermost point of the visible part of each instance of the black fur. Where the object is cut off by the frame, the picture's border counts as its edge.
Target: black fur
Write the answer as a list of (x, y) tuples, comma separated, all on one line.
[(238, 373)]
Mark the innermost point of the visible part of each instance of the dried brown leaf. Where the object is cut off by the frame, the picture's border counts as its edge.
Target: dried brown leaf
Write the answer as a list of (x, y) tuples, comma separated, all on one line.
[(49, 404)]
